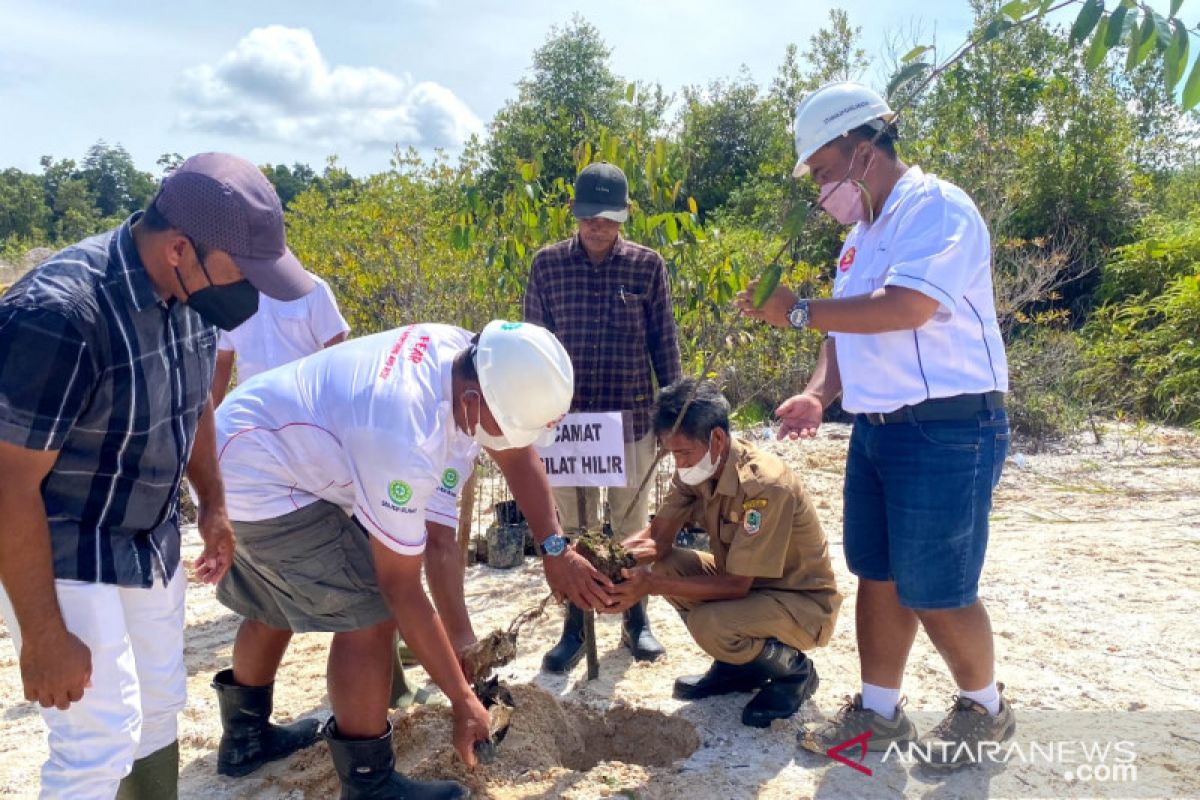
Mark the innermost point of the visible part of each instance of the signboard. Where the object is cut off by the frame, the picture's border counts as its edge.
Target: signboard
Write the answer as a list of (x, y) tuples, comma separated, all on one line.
[(588, 450)]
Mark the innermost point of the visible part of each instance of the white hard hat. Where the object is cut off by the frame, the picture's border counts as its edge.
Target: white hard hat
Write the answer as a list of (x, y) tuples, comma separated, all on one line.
[(526, 378), (831, 111)]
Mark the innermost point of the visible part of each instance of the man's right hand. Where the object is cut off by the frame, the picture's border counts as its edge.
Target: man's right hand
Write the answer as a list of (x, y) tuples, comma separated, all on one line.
[(571, 576), (799, 417), (55, 669), (471, 725)]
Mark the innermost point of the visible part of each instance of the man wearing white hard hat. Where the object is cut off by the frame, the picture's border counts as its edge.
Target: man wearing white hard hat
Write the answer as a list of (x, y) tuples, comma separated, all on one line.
[(339, 468), (914, 350)]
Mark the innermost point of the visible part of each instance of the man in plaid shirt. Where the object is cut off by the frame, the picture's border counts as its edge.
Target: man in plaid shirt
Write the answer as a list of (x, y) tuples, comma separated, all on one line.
[(609, 303)]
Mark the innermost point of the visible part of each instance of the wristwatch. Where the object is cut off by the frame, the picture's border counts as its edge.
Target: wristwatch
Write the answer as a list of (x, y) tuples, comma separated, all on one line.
[(553, 545), (798, 316)]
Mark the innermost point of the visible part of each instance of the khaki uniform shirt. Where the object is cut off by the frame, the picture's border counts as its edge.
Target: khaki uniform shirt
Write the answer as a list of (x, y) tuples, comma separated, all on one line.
[(761, 524)]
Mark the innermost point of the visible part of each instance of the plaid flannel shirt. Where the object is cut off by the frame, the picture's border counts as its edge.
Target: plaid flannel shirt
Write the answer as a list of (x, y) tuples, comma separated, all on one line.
[(95, 366), (616, 322)]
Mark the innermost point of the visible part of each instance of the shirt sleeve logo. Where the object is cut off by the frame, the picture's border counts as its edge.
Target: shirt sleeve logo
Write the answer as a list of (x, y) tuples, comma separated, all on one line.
[(400, 492), (753, 522), (847, 259), (450, 479)]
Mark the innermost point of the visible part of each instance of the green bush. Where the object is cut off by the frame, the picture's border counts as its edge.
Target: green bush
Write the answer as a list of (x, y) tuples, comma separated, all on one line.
[(1042, 402), (1143, 345)]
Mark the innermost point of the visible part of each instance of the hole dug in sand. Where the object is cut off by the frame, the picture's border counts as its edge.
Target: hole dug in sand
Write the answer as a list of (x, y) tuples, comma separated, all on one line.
[(547, 742), (629, 735)]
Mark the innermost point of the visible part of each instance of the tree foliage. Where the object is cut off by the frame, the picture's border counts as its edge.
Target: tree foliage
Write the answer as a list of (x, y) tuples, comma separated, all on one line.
[(570, 94), (1143, 343), (1070, 138)]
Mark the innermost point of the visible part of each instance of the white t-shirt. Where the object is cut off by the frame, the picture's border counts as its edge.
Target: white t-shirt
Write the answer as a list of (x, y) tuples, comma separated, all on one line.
[(366, 425), (280, 331), (929, 238)]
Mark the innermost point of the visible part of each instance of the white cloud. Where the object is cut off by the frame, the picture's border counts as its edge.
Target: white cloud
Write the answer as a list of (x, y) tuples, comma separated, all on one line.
[(275, 85)]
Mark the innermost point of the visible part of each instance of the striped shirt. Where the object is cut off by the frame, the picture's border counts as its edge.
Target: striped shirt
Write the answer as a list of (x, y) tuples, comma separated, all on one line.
[(95, 366), (614, 319)]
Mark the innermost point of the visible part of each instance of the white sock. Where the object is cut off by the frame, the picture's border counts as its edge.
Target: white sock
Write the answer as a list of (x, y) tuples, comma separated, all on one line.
[(988, 697), (880, 699)]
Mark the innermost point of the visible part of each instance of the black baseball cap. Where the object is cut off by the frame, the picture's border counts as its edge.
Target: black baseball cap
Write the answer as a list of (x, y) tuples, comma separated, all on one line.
[(225, 203), (601, 191)]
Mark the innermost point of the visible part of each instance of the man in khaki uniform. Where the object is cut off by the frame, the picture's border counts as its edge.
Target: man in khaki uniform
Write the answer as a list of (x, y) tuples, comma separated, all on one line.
[(766, 593)]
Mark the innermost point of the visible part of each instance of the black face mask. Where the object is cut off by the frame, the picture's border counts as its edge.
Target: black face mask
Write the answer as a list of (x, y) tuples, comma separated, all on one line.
[(226, 306)]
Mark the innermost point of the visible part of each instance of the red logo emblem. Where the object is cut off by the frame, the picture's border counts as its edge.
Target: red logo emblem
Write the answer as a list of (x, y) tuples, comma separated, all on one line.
[(835, 752), (847, 260)]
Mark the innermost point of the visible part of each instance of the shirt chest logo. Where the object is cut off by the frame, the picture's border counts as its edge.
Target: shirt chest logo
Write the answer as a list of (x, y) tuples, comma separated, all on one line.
[(847, 259), (399, 492)]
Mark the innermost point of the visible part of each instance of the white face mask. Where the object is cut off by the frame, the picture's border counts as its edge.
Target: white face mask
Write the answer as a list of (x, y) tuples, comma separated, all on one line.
[(701, 471), (481, 436)]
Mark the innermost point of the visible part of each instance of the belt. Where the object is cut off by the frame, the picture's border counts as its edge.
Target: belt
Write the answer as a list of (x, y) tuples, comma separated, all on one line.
[(939, 409)]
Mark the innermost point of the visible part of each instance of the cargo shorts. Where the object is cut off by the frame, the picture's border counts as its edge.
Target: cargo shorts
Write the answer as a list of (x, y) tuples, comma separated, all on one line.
[(310, 570)]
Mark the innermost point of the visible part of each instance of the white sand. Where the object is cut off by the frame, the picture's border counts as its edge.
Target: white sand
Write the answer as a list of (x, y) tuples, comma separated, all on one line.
[(1092, 581)]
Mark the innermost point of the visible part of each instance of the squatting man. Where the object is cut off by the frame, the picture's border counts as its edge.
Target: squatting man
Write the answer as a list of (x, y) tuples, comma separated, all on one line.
[(766, 593)]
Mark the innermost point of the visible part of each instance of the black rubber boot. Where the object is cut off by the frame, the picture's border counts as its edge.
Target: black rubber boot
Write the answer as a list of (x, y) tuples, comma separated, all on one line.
[(366, 769), (566, 654), (153, 777), (721, 678), (637, 636), (793, 679), (248, 739)]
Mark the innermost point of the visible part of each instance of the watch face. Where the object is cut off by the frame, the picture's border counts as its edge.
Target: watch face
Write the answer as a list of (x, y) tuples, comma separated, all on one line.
[(554, 545)]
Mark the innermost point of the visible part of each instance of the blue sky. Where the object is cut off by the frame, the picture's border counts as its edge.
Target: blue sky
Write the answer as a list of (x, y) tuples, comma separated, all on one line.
[(296, 81)]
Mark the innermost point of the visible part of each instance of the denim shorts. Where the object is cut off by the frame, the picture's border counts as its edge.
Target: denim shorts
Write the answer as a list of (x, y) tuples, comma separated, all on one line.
[(917, 497)]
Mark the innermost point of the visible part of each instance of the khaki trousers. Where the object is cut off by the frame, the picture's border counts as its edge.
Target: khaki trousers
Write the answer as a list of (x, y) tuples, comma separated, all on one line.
[(639, 456), (735, 631)]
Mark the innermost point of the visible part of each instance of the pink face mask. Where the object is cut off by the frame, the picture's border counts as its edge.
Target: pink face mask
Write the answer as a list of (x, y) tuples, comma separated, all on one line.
[(844, 200)]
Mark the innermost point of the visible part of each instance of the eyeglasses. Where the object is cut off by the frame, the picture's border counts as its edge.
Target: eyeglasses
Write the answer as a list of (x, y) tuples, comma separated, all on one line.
[(201, 253)]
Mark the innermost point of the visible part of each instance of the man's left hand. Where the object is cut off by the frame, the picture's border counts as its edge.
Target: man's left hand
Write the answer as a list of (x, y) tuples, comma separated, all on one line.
[(641, 547), (631, 591), (774, 311), (217, 532)]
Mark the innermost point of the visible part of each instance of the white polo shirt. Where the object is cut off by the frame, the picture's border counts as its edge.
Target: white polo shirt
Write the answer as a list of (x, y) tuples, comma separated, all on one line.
[(929, 237), (280, 331), (366, 425)]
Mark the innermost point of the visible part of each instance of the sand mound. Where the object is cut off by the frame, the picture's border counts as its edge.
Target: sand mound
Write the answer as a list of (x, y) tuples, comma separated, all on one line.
[(550, 746)]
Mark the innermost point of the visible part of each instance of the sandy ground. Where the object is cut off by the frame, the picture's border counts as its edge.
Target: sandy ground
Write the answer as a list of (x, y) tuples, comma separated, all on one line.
[(1092, 581)]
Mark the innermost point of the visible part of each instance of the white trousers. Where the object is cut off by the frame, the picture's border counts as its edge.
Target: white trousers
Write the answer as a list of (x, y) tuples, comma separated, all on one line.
[(139, 684)]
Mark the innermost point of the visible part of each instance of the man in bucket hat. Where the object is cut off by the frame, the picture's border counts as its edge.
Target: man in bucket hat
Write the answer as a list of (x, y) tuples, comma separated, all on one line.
[(106, 358)]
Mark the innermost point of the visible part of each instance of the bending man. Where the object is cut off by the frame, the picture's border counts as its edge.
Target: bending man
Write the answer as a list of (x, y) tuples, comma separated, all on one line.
[(335, 469)]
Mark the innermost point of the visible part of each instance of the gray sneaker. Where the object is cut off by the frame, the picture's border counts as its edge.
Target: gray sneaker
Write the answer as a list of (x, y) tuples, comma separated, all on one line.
[(956, 740), (853, 720)]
